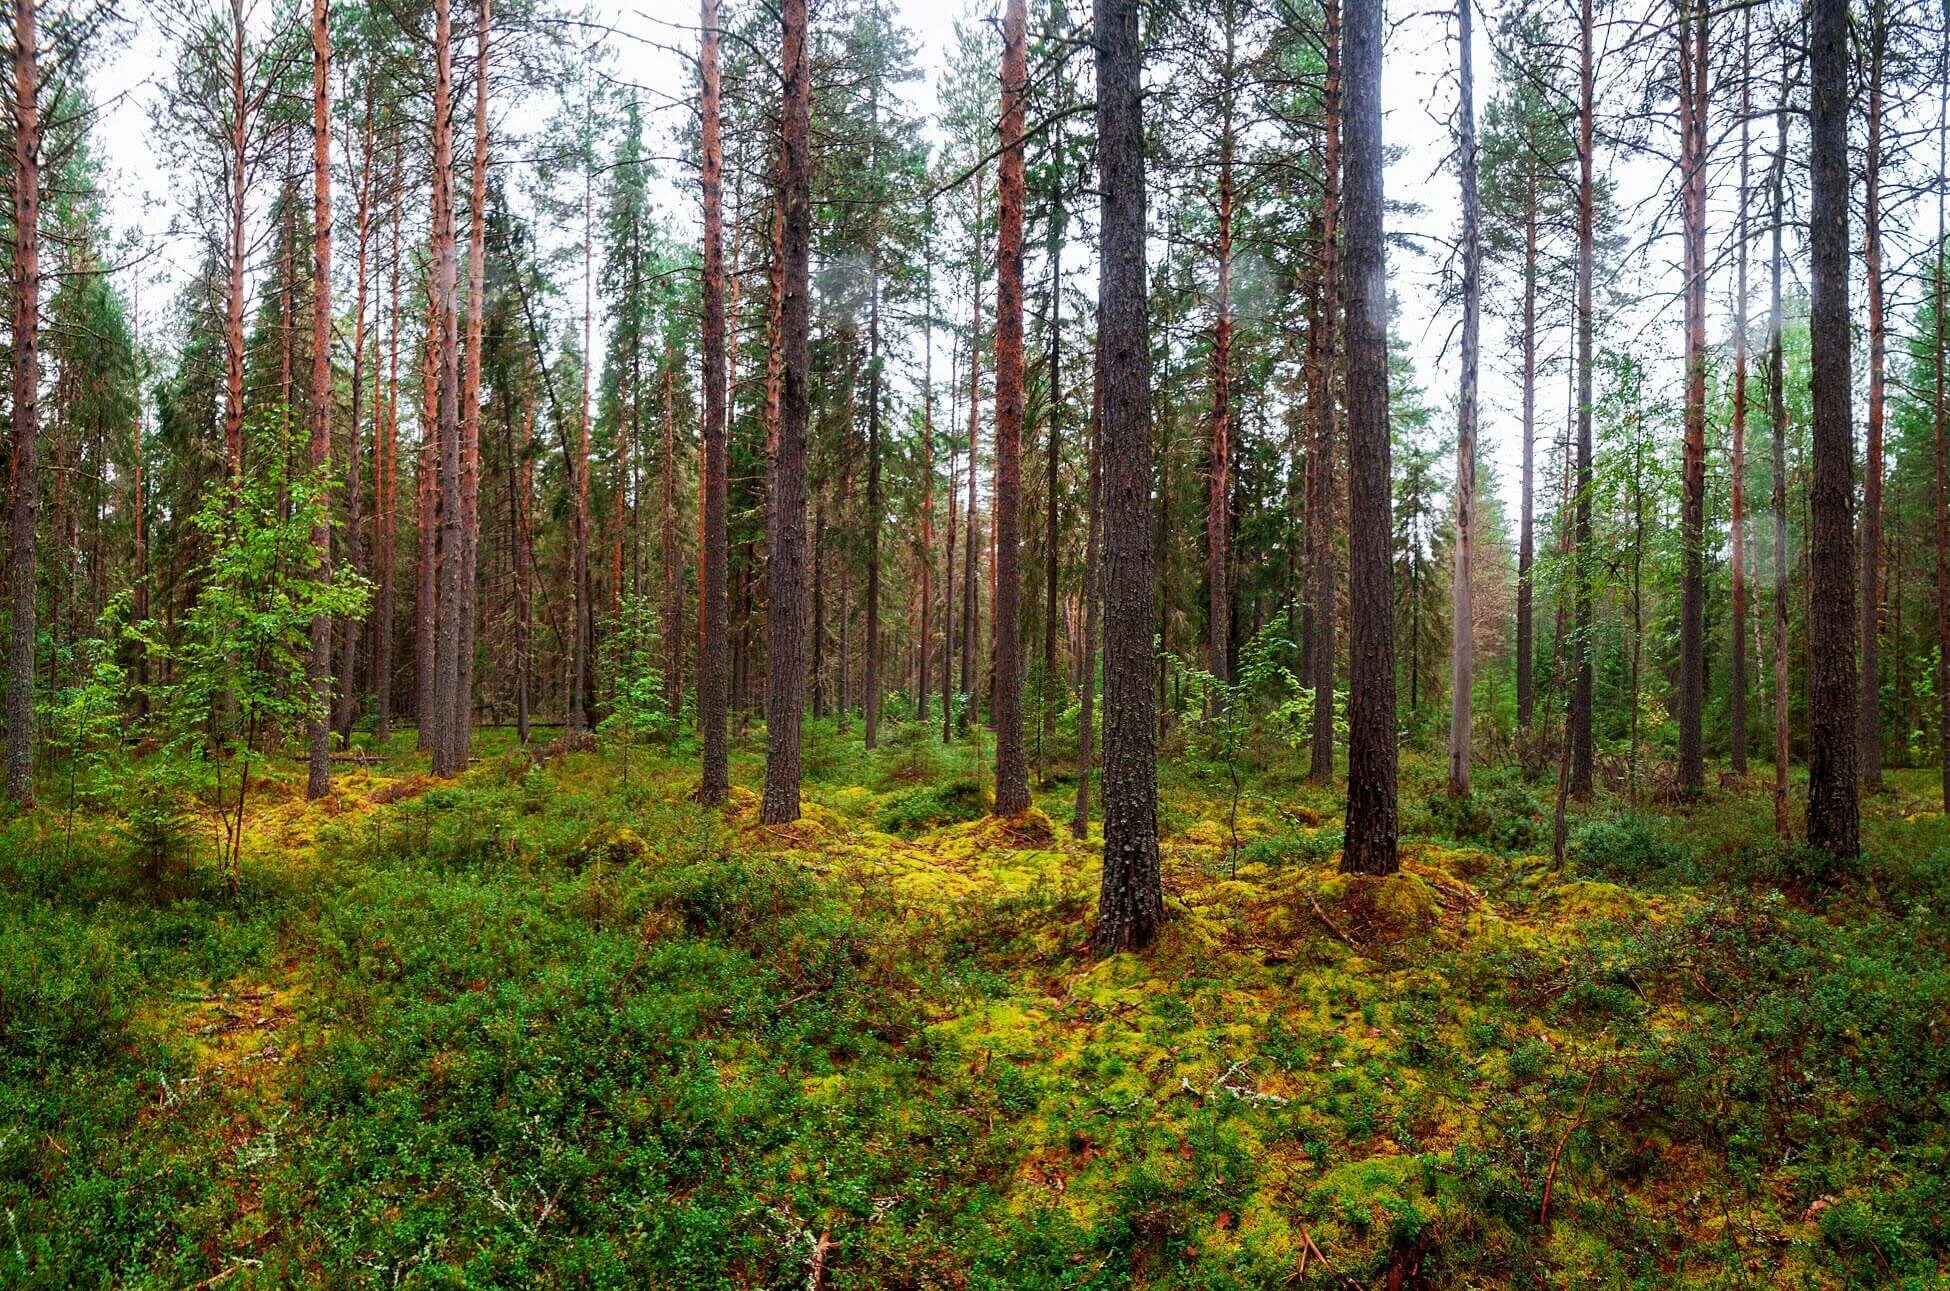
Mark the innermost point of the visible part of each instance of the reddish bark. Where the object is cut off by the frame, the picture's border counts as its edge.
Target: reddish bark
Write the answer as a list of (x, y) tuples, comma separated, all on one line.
[(1011, 766), (714, 544), (318, 730), (23, 482)]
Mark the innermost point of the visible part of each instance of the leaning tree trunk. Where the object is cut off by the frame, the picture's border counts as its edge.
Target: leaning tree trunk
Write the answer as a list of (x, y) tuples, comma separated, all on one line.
[(785, 609), (1011, 766), (1130, 904), (1371, 720), (1833, 809)]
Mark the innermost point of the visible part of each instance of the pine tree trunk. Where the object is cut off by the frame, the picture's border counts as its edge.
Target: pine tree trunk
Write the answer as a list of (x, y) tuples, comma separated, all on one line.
[(1462, 655), (1737, 699), (460, 733), (714, 550), (1130, 905), (445, 276), (1833, 821), (238, 176), (1320, 399), (1092, 599), (427, 573), (1527, 524), (582, 619), (968, 713), (1692, 522), (1581, 687), (349, 633), (1371, 719), (870, 689), (1939, 403), (1777, 421), (23, 479), (670, 554), (1218, 494), (1052, 510), (318, 729), (386, 507), (1870, 698), (786, 597), (1011, 766), (925, 557)]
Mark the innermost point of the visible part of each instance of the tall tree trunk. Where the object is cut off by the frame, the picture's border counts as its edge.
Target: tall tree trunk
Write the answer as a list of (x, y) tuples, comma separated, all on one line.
[(386, 505), (785, 609), (1218, 493), (1833, 821), (1580, 713), (1870, 698), (1939, 401), (1130, 904), (1011, 766), (1737, 705), (318, 729), (427, 573), (581, 621), (445, 272), (354, 502), (1462, 652), (521, 490), (238, 177), (1527, 525), (714, 548), (459, 735), (24, 481), (948, 562), (1692, 521), (1320, 399), (925, 558), (968, 516), (1371, 720), (1092, 572), (670, 555), (1052, 510), (1777, 422), (870, 690)]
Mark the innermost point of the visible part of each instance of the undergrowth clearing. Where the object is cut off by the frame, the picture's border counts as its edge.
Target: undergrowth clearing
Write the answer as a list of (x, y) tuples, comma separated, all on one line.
[(547, 1028)]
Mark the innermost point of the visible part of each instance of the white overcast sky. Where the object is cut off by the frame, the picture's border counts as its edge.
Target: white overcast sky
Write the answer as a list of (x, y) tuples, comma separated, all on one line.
[(1418, 98)]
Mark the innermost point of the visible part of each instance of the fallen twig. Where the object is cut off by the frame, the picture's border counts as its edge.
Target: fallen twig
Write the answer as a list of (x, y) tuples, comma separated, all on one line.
[(1550, 1177), (1331, 925)]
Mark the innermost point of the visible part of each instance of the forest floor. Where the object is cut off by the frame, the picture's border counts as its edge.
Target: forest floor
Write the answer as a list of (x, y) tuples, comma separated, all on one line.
[(555, 1025)]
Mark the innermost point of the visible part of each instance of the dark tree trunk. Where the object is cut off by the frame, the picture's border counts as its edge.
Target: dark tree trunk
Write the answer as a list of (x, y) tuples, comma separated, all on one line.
[(1692, 520), (785, 608), (1371, 721), (1527, 525), (1777, 421), (1218, 492), (318, 730), (354, 546), (1580, 712), (1320, 399), (1011, 766), (445, 274), (1939, 401), (386, 506), (460, 732), (1833, 821), (1737, 706), (23, 481), (1092, 549), (1462, 654), (1869, 714), (1130, 904), (714, 551)]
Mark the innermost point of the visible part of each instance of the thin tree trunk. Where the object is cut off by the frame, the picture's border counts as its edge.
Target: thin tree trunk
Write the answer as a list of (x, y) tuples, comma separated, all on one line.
[(948, 562), (427, 583), (1580, 715), (581, 620), (1371, 719), (1527, 528), (348, 706), (1939, 402), (1092, 572), (1052, 511), (238, 176), (386, 506), (1011, 767), (714, 547), (1130, 905), (1462, 654), (445, 273), (1777, 421), (318, 728), (1870, 698), (1737, 704), (459, 735), (925, 559), (1692, 522), (870, 690), (968, 713), (786, 596), (670, 555), (1320, 455), (1218, 495), (25, 484), (1833, 809)]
